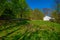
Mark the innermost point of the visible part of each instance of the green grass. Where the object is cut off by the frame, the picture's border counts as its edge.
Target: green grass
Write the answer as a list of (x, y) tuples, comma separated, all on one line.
[(35, 30)]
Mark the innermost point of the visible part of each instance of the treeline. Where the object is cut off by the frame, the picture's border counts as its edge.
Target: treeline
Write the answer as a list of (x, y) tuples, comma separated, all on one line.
[(13, 9), (37, 14), (56, 13), (10, 9)]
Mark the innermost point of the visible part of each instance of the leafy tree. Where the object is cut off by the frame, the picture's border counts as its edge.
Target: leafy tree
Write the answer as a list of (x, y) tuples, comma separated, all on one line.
[(38, 14), (18, 8), (56, 14), (6, 10)]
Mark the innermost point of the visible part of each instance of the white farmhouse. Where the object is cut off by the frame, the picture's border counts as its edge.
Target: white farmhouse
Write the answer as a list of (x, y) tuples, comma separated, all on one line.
[(47, 18)]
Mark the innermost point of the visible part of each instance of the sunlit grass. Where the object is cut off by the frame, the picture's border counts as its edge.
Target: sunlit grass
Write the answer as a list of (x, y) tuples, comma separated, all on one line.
[(35, 30)]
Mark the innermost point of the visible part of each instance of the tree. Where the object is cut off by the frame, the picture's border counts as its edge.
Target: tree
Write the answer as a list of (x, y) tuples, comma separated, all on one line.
[(6, 11), (20, 8), (17, 7), (38, 14), (56, 14)]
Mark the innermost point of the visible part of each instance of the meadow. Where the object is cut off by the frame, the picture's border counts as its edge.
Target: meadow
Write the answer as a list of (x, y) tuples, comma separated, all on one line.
[(30, 30)]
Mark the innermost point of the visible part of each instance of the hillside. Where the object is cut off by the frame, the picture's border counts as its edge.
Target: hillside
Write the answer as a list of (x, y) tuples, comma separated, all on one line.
[(34, 30)]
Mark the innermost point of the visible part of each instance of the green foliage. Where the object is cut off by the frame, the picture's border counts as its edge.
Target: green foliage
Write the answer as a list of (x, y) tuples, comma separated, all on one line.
[(58, 10), (37, 14), (56, 15), (19, 8)]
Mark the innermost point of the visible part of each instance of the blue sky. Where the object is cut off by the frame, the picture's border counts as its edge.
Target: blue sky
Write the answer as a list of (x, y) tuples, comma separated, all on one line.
[(40, 4)]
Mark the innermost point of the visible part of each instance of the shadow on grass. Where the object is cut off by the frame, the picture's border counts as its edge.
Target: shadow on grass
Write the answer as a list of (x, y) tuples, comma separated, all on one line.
[(18, 20), (12, 21)]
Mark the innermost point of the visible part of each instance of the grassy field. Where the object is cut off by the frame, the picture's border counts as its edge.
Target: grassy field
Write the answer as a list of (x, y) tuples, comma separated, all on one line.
[(34, 30)]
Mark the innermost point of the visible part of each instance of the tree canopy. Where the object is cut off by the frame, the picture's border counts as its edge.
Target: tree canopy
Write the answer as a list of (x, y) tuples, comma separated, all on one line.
[(18, 8)]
